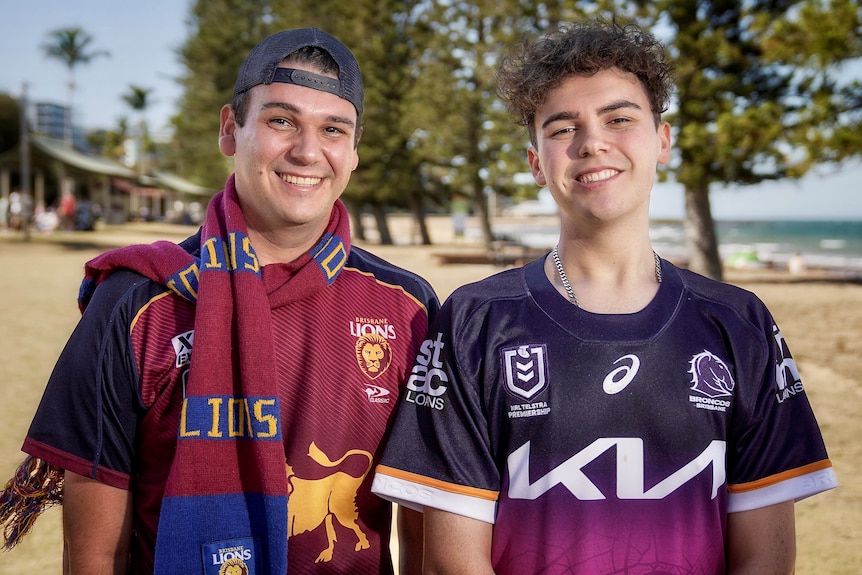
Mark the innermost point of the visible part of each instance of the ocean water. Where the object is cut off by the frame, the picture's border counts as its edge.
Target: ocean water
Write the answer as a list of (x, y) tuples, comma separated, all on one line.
[(826, 244), (823, 244)]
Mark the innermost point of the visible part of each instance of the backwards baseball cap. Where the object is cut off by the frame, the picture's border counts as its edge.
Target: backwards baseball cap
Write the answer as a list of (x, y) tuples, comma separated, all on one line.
[(261, 65)]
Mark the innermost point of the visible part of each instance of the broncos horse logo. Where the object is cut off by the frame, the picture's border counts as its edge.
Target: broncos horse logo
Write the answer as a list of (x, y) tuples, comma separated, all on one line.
[(312, 502)]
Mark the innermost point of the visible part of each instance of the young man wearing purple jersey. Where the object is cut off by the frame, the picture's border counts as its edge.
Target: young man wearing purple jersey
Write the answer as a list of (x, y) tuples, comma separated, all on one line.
[(222, 402), (601, 410)]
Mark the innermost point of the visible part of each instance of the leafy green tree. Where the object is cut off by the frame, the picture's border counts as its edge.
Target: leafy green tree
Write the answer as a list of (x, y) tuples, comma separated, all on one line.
[(386, 40), (760, 97), (758, 90), (467, 142), (72, 47), (221, 34)]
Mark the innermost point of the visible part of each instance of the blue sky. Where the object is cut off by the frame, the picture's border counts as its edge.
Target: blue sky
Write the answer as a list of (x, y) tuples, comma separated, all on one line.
[(143, 38)]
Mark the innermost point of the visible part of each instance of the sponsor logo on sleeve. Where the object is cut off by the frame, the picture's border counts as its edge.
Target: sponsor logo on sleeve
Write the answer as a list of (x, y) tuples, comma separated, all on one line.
[(183, 347), (428, 380), (787, 378)]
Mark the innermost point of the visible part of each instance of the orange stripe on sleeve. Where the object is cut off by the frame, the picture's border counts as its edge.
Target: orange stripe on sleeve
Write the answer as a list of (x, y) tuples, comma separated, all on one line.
[(779, 477)]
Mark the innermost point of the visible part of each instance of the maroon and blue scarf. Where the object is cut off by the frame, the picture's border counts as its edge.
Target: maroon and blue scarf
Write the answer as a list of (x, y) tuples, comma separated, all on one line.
[(225, 500)]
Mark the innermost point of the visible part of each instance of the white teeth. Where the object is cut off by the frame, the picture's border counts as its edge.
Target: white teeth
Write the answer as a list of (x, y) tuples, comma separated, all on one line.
[(597, 176), (298, 181)]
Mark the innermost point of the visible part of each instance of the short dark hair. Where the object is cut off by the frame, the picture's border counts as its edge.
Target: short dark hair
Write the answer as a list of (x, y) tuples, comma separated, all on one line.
[(536, 67), (314, 57)]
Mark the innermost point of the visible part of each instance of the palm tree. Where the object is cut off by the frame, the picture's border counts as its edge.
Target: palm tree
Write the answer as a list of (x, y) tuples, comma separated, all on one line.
[(70, 46), (138, 99)]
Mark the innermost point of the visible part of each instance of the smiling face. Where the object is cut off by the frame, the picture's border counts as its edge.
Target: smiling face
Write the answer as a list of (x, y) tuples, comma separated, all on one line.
[(293, 157), (597, 147)]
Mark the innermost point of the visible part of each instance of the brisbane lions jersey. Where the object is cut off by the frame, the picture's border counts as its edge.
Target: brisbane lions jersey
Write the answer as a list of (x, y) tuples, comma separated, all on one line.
[(603, 443), (112, 408)]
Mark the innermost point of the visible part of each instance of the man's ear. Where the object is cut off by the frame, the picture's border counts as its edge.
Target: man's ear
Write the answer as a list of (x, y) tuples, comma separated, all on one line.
[(536, 167), (664, 152), (356, 149), (227, 131)]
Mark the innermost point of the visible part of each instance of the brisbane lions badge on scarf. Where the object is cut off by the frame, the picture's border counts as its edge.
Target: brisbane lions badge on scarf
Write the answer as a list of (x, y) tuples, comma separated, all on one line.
[(526, 367), (236, 557)]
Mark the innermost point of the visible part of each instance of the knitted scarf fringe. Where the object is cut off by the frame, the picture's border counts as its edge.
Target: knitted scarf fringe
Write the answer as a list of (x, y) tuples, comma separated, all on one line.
[(35, 487)]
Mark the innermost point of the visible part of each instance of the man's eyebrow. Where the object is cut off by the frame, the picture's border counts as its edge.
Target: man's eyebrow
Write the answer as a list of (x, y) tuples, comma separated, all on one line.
[(618, 105), (288, 107), (558, 117), (612, 107)]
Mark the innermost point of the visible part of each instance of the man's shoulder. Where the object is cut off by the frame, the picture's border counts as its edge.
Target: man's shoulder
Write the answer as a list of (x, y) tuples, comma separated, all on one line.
[(386, 272), (718, 291), (504, 284), (123, 282)]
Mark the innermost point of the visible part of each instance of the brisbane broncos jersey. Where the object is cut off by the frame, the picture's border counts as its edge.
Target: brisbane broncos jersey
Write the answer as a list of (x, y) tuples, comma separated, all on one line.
[(603, 443), (112, 408)]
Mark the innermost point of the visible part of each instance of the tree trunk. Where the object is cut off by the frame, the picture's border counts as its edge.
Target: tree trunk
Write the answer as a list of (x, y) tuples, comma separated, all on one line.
[(700, 237), (484, 218), (357, 230), (419, 217), (382, 224)]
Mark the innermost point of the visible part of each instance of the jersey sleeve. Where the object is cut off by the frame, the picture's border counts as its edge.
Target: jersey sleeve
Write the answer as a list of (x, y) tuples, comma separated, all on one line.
[(87, 416), (777, 453), (439, 453)]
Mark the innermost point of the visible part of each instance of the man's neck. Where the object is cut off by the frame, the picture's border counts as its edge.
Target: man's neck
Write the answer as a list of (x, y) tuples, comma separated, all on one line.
[(610, 278)]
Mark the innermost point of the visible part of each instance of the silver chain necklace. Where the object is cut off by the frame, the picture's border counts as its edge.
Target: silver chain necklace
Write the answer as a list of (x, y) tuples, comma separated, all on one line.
[(568, 286)]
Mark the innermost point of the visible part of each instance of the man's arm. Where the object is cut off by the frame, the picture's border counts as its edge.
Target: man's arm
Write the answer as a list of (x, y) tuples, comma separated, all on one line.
[(410, 541), (455, 544), (762, 541), (97, 527)]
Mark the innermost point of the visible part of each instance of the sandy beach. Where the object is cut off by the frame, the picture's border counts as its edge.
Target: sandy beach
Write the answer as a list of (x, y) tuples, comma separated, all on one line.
[(820, 316)]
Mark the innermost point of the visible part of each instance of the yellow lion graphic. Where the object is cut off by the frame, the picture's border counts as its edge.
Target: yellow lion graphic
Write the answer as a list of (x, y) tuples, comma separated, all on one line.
[(233, 567), (373, 354), (315, 502)]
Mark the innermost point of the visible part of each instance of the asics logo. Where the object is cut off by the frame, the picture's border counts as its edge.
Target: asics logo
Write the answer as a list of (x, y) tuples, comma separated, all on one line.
[(618, 379)]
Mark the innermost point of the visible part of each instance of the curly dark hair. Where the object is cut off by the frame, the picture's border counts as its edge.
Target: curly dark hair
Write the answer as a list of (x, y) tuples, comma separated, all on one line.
[(536, 67)]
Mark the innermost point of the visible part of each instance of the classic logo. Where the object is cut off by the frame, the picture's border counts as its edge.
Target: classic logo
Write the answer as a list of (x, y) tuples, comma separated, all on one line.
[(377, 394), (313, 503), (711, 378), (526, 367), (373, 354), (183, 347)]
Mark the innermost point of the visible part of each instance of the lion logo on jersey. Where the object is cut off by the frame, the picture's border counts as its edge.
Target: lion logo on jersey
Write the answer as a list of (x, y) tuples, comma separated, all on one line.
[(233, 567), (316, 502), (373, 354), (710, 376)]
